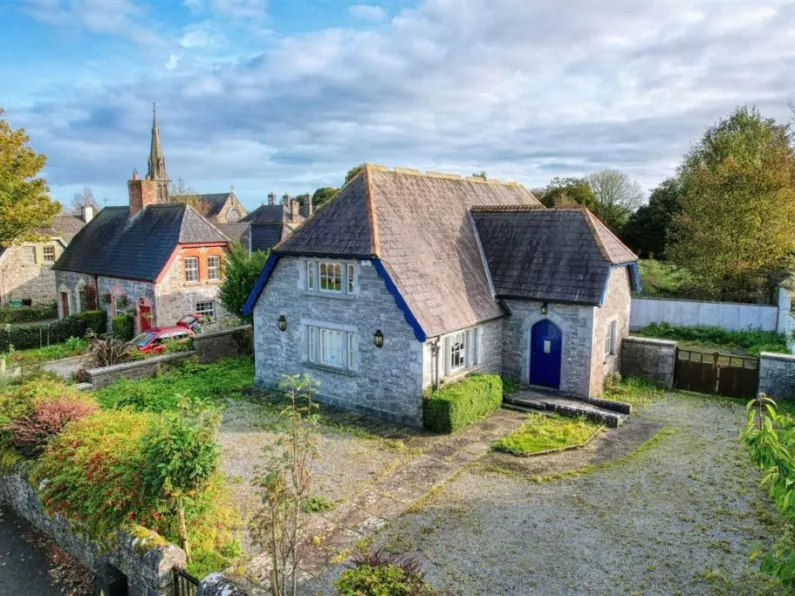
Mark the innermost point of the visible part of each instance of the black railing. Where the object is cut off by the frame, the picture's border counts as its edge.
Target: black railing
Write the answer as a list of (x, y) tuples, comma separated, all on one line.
[(184, 583)]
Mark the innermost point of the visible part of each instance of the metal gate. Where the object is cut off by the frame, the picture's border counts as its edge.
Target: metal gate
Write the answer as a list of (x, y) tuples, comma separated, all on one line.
[(184, 583), (719, 374)]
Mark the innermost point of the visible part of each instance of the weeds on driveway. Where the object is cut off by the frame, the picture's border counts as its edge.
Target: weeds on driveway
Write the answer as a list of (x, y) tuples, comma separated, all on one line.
[(545, 433)]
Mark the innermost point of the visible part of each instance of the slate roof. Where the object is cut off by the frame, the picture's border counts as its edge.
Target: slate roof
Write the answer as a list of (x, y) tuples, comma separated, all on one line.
[(115, 245), (265, 237), (215, 202), (419, 226), (559, 255), (235, 231), (267, 214), (65, 226)]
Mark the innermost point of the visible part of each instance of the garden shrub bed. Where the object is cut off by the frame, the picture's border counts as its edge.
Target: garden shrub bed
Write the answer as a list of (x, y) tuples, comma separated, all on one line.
[(71, 347), (455, 406), (37, 336), (28, 314), (542, 433), (710, 338)]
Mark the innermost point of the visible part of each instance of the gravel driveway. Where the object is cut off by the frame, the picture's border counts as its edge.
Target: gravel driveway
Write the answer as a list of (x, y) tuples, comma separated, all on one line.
[(678, 516)]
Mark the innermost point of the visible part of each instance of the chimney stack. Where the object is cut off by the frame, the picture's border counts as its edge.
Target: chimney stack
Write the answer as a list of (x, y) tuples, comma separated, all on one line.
[(142, 193), (294, 208), (88, 213), (306, 208), (271, 198), (286, 199)]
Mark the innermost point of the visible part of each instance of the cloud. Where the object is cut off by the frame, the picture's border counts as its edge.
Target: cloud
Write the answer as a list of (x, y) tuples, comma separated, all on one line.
[(524, 91), (173, 61), (367, 12), (202, 35)]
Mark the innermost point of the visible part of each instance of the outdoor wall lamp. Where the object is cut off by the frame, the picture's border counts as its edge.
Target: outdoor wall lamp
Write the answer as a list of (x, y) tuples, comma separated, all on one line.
[(282, 323), (544, 308), (378, 339)]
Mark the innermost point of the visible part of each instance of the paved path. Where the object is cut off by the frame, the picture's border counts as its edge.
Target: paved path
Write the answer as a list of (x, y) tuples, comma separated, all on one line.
[(23, 569), (65, 367)]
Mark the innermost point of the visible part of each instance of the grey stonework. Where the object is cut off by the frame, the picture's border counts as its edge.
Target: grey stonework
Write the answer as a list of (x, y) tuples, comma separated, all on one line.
[(71, 282), (615, 307), (576, 325), (216, 584), (650, 359), (143, 556), (385, 382), (777, 375), (175, 298), (20, 280), (225, 343), (137, 369), (133, 290)]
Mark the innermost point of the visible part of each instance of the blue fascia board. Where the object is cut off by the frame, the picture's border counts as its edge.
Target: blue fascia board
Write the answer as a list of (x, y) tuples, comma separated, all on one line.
[(419, 333), (634, 277), (270, 265)]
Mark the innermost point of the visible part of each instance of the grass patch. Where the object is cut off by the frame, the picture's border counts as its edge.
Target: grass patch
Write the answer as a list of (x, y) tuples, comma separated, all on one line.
[(750, 341), (633, 390), (663, 279), (72, 347), (542, 433)]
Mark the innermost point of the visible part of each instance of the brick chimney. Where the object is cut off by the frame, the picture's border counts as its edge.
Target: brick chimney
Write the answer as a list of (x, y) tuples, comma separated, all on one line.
[(142, 193), (271, 198)]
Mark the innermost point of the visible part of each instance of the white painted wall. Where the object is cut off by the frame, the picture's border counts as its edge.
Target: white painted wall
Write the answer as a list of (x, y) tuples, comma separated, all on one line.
[(728, 315)]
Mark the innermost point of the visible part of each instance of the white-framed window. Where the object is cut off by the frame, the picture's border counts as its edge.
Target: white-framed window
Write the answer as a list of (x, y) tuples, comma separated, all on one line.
[(214, 268), (330, 277), (351, 277), (462, 350), (331, 347), (49, 253), (610, 339), (310, 275), (29, 255), (206, 308), (191, 269), (458, 351)]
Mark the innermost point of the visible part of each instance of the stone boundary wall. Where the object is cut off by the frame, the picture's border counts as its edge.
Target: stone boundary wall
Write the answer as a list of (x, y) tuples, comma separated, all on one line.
[(216, 584), (650, 359), (139, 369), (727, 315), (224, 343), (143, 556), (777, 375)]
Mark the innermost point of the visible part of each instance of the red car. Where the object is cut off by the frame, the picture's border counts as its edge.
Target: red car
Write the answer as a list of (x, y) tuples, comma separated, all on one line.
[(192, 322), (152, 341)]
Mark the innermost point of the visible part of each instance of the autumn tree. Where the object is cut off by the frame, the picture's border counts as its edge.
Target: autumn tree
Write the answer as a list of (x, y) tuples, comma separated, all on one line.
[(84, 198), (648, 229), (736, 229), (563, 192), (25, 203), (181, 192), (617, 197)]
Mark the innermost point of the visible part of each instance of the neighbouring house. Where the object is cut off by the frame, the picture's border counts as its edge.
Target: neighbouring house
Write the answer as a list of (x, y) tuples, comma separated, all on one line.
[(158, 259), (26, 268), (221, 208), (405, 281)]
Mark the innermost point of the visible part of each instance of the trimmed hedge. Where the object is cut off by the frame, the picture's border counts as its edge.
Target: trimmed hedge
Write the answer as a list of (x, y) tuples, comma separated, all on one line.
[(36, 336), (28, 314), (122, 327), (453, 407)]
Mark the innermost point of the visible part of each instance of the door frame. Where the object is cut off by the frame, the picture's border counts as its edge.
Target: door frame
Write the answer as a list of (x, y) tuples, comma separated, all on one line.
[(529, 359)]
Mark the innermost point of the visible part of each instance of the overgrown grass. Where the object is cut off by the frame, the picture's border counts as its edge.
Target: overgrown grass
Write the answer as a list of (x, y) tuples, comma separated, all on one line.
[(663, 279), (542, 433), (72, 347), (185, 385), (633, 390), (750, 341)]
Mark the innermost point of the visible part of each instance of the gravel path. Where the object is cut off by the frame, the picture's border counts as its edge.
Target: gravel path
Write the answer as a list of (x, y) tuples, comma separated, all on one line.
[(678, 516)]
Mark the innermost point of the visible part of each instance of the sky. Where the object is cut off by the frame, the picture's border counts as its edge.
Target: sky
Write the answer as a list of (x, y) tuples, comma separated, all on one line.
[(286, 95)]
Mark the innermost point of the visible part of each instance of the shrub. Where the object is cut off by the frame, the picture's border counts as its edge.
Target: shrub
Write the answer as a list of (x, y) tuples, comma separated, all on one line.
[(455, 406), (376, 574), (36, 336), (122, 327), (71, 347), (21, 396), (29, 314), (107, 351), (31, 433)]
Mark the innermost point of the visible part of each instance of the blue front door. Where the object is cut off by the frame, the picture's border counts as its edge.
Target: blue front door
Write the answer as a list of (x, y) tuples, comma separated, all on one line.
[(545, 353)]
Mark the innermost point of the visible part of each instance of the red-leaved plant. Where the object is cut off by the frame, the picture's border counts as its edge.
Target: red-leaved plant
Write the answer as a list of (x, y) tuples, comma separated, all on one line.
[(31, 432)]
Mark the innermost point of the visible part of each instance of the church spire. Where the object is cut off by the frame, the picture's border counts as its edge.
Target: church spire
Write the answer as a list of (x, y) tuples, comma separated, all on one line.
[(157, 162)]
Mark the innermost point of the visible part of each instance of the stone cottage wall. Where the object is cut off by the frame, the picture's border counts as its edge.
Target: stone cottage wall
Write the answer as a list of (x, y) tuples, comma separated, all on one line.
[(224, 343), (650, 359), (71, 282), (386, 382), (614, 308), (133, 290), (20, 280), (576, 324), (143, 556), (777, 375)]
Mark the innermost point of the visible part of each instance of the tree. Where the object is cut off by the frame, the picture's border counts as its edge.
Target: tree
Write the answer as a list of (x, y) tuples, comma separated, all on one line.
[(352, 172), (302, 198), (736, 229), (323, 195), (562, 192), (181, 192), (617, 197), (241, 271), (25, 203), (648, 229), (84, 198), (481, 174)]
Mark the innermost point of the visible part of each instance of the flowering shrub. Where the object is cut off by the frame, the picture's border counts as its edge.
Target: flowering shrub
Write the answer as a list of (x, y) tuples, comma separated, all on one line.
[(32, 432), (377, 574)]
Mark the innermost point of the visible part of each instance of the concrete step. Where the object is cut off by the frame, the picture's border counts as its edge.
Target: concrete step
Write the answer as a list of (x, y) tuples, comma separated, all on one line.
[(566, 406)]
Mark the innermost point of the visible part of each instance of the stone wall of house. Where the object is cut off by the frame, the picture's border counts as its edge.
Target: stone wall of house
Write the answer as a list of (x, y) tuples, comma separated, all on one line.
[(224, 343), (176, 298), (777, 375), (71, 283), (143, 556), (614, 308), (650, 359), (576, 325), (385, 382), (490, 360), (133, 290), (22, 280), (138, 369)]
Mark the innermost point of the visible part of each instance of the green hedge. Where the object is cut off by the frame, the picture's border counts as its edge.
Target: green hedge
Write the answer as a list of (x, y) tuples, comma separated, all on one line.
[(28, 314), (123, 327), (455, 406), (36, 336)]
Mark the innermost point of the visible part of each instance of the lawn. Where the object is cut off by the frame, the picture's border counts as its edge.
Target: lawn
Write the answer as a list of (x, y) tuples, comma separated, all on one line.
[(662, 279), (717, 339), (25, 358), (544, 433)]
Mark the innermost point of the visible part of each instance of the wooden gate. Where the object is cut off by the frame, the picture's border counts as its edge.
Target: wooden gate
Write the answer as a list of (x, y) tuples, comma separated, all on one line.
[(719, 374)]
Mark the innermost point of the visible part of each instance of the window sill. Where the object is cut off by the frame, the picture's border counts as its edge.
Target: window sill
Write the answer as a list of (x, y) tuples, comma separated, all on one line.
[(330, 295), (461, 373), (331, 369)]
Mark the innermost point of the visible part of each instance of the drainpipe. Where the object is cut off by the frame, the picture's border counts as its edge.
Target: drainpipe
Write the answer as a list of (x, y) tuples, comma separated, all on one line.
[(435, 362)]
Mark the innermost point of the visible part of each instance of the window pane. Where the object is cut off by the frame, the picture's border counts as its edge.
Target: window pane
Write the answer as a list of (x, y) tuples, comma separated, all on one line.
[(214, 267), (331, 348), (351, 277), (49, 253), (331, 277), (458, 351), (191, 269), (206, 308), (312, 344), (30, 255), (310, 275), (350, 350)]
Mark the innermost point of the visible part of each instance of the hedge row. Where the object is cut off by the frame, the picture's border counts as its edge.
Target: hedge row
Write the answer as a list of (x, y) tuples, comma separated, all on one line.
[(455, 406), (123, 327), (28, 314), (36, 336)]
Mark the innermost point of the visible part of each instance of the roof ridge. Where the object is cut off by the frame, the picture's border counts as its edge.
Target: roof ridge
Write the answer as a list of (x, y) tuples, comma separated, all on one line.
[(609, 231), (375, 247), (509, 208), (442, 175), (588, 216)]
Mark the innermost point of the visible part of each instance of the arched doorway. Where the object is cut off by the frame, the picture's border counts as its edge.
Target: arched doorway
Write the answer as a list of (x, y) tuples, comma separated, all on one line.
[(546, 344), (144, 315)]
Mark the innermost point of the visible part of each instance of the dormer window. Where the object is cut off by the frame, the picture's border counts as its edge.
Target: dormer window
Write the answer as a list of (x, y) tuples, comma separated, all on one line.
[(331, 277)]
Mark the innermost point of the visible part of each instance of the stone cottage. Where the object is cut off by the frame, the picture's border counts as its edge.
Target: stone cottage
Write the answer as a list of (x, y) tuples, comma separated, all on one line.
[(26, 272), (406, 281), (157, 258), (269, 224)]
